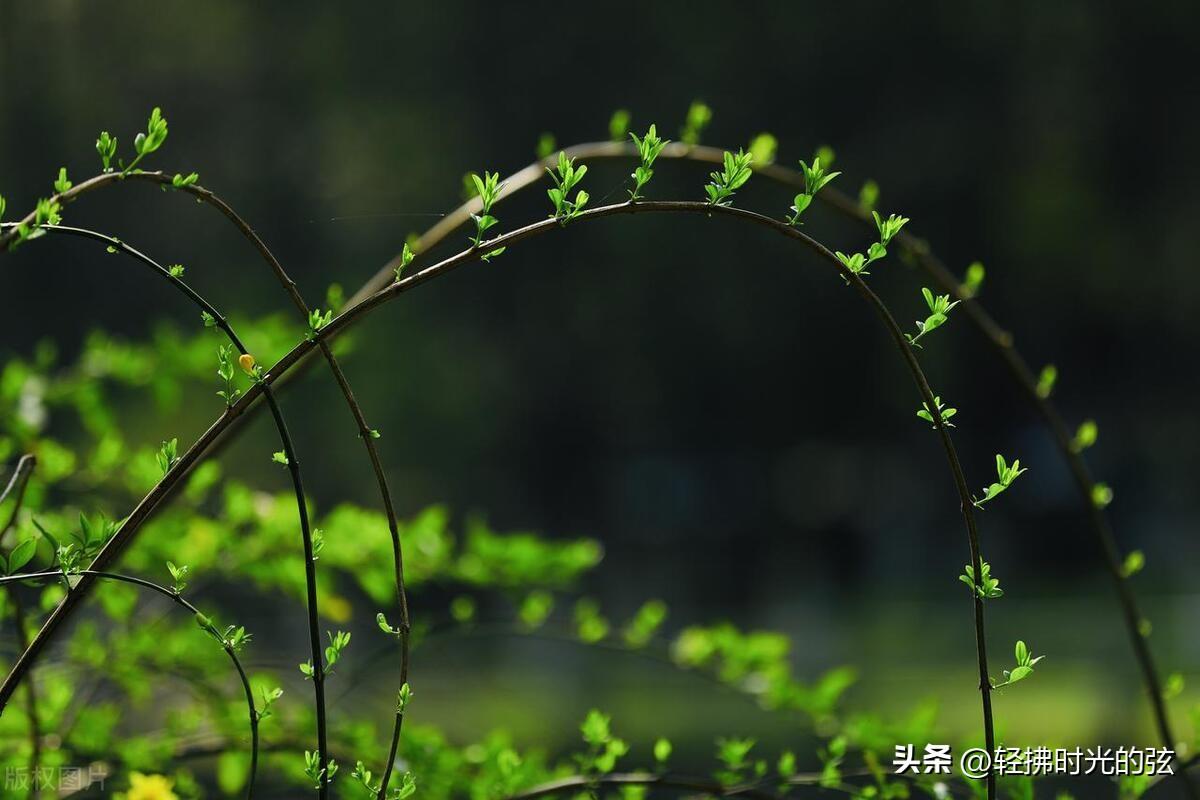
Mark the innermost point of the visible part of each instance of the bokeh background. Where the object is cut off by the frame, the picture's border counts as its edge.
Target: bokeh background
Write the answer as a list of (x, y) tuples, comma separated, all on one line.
[(712, 405)]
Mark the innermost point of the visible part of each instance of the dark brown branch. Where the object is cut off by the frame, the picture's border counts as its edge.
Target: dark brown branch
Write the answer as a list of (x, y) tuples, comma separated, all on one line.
[(16, 489), (365, 432), (367, 305), (995, 335), (705, 786), (293, 467), (364, 429), (759, 790), (179, 600)]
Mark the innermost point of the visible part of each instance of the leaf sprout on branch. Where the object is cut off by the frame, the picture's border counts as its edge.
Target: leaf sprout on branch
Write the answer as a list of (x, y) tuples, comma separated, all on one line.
[(1005, 475)]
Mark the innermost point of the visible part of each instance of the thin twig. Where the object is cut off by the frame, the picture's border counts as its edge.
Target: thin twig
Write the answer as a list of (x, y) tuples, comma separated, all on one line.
[(705, 786), (758, 790), (356, 312), (179, 600), (364, 429), (16, 489), (1000, 340), (317, 656), (365, 432)]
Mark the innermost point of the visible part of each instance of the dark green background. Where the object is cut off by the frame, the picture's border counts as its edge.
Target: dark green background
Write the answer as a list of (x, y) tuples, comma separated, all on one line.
[(709, 402)]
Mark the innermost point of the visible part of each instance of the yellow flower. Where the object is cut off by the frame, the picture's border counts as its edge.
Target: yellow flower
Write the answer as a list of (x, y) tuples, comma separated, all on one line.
[(150, 787)]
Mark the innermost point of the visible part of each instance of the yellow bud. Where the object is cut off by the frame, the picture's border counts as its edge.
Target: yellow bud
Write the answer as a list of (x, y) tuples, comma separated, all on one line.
[(247, 363)]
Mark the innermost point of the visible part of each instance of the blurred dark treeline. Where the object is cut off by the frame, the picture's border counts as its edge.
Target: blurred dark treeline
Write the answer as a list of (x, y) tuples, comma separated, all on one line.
[(707, 401)]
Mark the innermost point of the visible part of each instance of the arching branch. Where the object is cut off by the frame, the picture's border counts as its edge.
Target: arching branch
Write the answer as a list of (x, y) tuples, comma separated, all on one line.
[(356, 312), (180, 601)]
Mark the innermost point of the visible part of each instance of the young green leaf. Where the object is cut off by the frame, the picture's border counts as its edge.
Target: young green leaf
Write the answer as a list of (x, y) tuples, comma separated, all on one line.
[(944, 413), (973, 279), (855, 262), (939, 310), (106, 146), (462, 609), (566, 176), (403, 698), (406, 257), (1005, 475), (697, 119), (815, 177), (337, 644), (645, 623), (590, 625), (488, 189), (535, 609), (235, 638), (315, 772), (317, 322), (146, 143), (61, 185), (1024, 668), (987, 587), (269, 697), (649, 147), (763, 148), (889, 227), (1046, 380), (546, 145), (799, 203), (318, 542), (618, 125), (382, 622), (868, 195), (178, 577), (733, 175), (168, 454), (226, 373), (21, 554), (1086, 436)]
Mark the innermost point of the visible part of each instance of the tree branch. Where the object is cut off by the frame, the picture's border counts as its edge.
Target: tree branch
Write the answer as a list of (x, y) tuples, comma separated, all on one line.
[(364, 430), (179, 600), (996, 336), (293, 465), (358, 311)]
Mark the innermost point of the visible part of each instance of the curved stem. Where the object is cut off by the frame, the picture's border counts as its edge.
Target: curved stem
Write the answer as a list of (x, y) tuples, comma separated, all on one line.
[(667, 780), (179, 600), (16, 489), (704, 786), (367, 305), (289, 449), (996, 336), (365, 431), (999, 339)]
